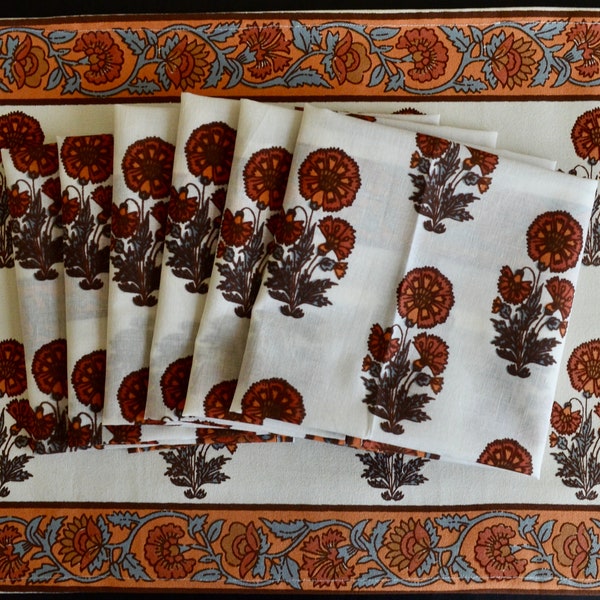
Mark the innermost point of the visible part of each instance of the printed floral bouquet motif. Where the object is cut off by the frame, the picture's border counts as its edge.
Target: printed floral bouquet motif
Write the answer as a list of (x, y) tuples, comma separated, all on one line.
[(193, 230), (139, 224), (442, 180), (554, 242), (329, 179), (89, 161), (396, 378), (243, 248)]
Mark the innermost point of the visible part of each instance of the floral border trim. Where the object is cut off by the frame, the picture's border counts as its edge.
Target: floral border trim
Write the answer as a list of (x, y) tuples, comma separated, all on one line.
[(387, 56), (300, 548)]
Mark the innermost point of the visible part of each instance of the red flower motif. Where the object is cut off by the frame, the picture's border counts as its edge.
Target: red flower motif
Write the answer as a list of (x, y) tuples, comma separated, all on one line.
[(218, 198), (163, 551), (273, 399), (565, 420), (124, 434), (174, 384), (148, 166), (88, 158), (51, 188), (350, 60), (18, 201), (573, 546), (285, 228), (507, 454), (429, 55), (585, 135), (49, 368), (265, 177), (270, 49), (562, 293), (234, 230), (13, 379), (486, 161), (329, 179), (425, 297), (586, 38), (182, 207), (102, 196), (78, 436), (185, 63), (241, 547), (583, 368), (218, 401), (512, 61), (42, 425), (381, 343), (19, 129), (36, 161), (123, 223), (88, 378), (132, 394), (80, 541), (104, 57), (12, 566), (433, 353), (511, 286), (409, 546), (493, 551), (69, 208), (554, 239), (323, 561), (22, 413), (29, 64), (209, 152), (339, 237), (431, 146)]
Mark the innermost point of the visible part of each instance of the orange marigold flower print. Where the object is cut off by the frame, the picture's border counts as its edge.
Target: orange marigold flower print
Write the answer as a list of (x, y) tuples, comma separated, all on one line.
[(329, 179), (269, 48), (273, 399), (409, 546), (339, 237), (18, 201), (512, 287), (78, 435), (51, 188), (123, 223), (554, 240), (486, 161), (218, 401), (36, 161), (124, 434), (583, 368), (69, 208), (88, 158), (42, 424), (12, 566), (185, 64), (507, 454), (381, 343), (182, 205), (431, 146), (234, 230), (265, 177), (164, 553), (350, 60), (512, 61), (494, 552), (586, 38), (29, 64), (323, 561), (565, 420), (562, 293), (585, 135), (148, 166), (433, 353), (573, 547), (425, 297), (428, 53), (104, 56), (174, 384), (285, 228), (209, 152), (49, 368), (88, 378), (81, 541), (131, 395), (102, 196), (241, 547), (13, 379), (18, 129), (22, 413)]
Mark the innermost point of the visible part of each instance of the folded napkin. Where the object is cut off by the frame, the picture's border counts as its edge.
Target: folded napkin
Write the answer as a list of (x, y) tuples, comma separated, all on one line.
[(414, 297), (203, 153), (86, 166)]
